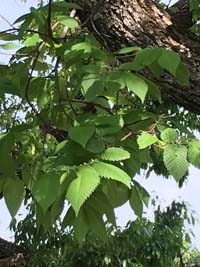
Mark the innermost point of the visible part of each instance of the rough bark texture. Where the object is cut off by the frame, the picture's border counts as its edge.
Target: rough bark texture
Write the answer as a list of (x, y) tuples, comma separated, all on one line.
[(118, 23), (10, 254)]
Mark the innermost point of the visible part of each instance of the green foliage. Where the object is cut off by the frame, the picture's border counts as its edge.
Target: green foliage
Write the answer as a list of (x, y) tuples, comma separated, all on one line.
[(142, 243), (77, 124), (194, 6)]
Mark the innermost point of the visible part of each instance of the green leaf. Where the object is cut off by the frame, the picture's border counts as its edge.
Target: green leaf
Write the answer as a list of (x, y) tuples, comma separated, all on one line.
[(182, 74), (70, 153), (127, 50), (170, 61), (32, 41), (89, 219), (45, 189), (146, 57), (83, 46), (81, 225), (68, 21), (9, 46), (87, 82), (95, 145), (108, 125), (136, 202), (194, 153), (146, 139), (94, 90), (175, 160), (169, 135), (112, 172), (96, 222), (137, 85), (81, 134), (117, 193), (8, 165), (82, 187), (117, 77), (154, 90), (115, 154), (69, 218), (144, 195), (132, 165), (13, 192), (101, 203)]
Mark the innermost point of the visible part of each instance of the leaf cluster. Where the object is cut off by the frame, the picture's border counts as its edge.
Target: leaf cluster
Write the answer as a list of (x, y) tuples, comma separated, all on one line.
[(142, 243)]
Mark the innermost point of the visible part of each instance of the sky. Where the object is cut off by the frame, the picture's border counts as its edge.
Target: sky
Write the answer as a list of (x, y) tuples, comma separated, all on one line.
[(166, 189)]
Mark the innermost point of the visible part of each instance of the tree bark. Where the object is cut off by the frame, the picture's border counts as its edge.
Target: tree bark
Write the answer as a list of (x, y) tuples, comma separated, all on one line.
[(10, 253), (119, 23)]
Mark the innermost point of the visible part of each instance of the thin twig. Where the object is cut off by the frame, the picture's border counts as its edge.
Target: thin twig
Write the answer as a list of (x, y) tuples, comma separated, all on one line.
[(9, 30), (126, 136), (70, 104), (168, 5), (30, 76), (73, 100), (7, 21)]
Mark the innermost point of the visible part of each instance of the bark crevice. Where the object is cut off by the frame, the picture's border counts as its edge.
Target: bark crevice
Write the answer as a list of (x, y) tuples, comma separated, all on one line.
[(143, 23)]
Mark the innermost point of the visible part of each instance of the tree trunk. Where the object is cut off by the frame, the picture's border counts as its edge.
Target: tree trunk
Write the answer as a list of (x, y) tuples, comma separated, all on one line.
[(119, 23), (10, 254)]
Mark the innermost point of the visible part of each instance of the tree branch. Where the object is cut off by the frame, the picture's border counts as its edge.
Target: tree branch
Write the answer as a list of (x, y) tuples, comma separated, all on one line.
[(143, 23)]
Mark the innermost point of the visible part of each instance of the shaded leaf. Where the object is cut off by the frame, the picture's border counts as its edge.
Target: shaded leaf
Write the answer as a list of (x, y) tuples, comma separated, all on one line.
[(81, 134), (45, 189), (13, 192), (169, 60)]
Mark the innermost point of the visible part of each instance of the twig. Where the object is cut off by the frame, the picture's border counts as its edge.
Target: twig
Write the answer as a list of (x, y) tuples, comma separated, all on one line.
[(126, 136), (86, 103), (7, 21), (9, 30), (70, 104), (30, 76), (168, 5)]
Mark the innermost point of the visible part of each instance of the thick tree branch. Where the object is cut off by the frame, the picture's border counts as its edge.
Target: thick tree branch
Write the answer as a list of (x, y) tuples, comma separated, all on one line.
[(10, 253), (181, 15), (118, 23)]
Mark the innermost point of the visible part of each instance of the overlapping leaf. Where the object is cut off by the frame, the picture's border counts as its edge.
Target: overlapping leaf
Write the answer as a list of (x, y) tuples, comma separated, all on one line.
[(112, 172), (82, 187)]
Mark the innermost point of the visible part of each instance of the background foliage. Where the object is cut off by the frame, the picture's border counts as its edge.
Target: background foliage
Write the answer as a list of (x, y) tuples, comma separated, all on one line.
[(142, 243)]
